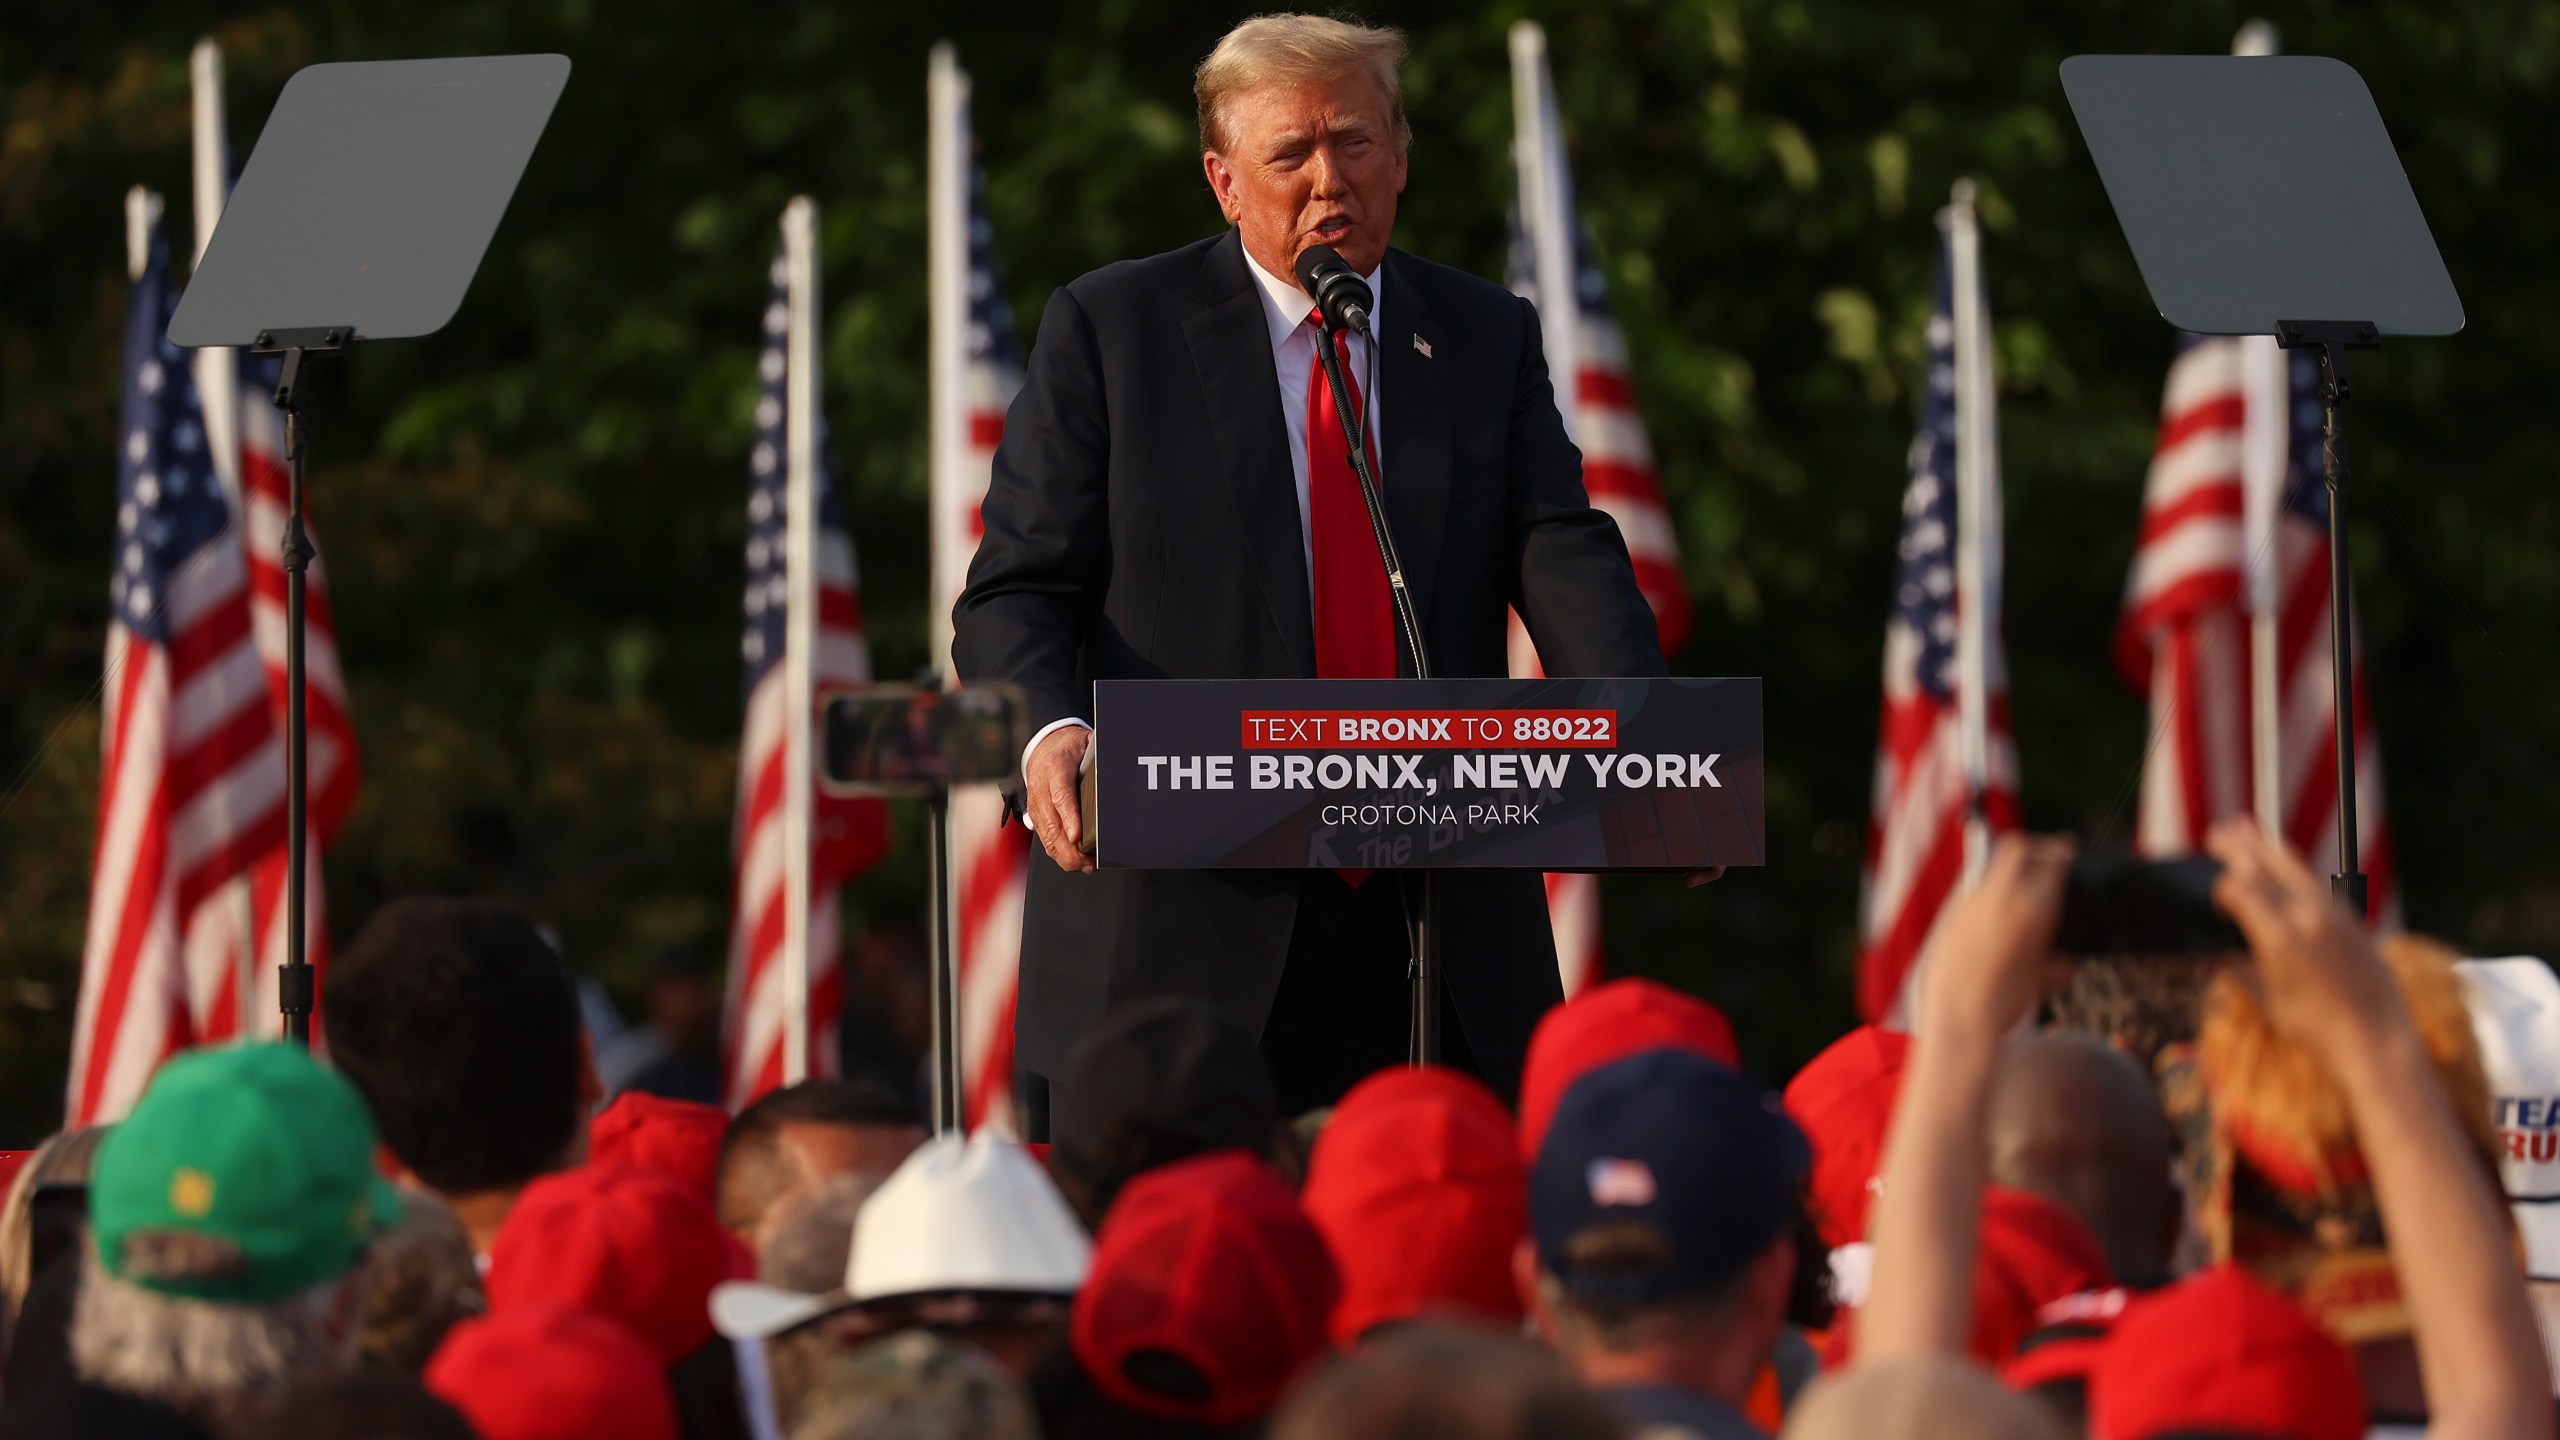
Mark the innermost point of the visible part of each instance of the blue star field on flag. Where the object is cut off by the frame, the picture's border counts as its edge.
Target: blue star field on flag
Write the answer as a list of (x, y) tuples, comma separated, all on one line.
[(1924, 590), (768, 591), (990, 322), (168, 503)]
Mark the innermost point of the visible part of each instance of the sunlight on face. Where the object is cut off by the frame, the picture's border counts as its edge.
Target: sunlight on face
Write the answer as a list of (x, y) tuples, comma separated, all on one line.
[(1310, 164)]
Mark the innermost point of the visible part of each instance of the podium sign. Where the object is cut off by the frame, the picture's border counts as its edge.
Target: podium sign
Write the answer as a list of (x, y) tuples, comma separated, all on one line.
[(1428, 774)]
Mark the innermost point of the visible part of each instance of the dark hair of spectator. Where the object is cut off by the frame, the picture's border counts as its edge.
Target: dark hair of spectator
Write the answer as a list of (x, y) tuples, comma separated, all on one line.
[(456, 1023), (2140, 1004)]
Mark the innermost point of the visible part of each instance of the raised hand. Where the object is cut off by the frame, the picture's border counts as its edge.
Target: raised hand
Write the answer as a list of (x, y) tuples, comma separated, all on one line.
[(1988, 960), (2325, 985)]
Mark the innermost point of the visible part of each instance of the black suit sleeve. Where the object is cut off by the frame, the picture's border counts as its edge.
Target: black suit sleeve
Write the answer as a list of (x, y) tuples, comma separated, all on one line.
[(1575, 587), (1039, 572)]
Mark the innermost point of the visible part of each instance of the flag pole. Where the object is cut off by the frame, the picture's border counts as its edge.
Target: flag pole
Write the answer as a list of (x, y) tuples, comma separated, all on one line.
[(1977, 475), (947, 285), (800, 636), (2266, 423), (1545, 213), (2265, 417), (947, 358), (217, 370)]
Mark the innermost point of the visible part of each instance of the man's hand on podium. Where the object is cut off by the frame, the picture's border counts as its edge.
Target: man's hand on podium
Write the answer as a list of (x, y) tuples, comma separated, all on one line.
[(1049, 796), (1705, 875)]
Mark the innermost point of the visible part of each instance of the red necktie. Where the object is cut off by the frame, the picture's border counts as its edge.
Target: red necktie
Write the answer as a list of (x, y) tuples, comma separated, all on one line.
[(1355, 626)]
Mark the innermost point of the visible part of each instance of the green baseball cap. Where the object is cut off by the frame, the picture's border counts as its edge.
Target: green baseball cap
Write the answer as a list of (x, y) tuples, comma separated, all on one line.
[(244, 1174)]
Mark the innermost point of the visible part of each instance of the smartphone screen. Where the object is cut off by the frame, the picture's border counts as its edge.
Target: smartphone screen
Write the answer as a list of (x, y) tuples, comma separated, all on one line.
[(905, 737)]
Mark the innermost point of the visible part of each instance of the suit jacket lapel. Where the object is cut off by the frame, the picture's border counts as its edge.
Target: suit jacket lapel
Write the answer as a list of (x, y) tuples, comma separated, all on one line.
[(1231, 347), (1417, 462)]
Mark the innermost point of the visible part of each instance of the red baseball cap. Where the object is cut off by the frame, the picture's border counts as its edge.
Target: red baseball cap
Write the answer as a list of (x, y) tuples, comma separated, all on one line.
[(1417, 1185), (630, 1244), (2223, 1353), (549, 1372), (2068, 1337), (674, 1137), (1843, 1099), (1209, 1290), (2033, 1253), (1611, 1022)]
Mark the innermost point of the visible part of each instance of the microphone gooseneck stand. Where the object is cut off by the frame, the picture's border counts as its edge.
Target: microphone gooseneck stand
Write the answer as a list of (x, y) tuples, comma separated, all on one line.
[(1422, 892)]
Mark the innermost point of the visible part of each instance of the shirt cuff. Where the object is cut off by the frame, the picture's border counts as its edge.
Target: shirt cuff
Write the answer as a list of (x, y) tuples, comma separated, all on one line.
[(1043, 733)]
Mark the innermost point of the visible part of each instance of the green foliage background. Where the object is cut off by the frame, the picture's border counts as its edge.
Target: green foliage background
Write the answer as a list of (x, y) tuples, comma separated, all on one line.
[(533, 519)]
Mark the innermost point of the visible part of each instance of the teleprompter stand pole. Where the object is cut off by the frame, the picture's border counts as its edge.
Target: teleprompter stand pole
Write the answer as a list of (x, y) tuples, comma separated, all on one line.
[(1422, 888), (293, 978), (2333, 339)]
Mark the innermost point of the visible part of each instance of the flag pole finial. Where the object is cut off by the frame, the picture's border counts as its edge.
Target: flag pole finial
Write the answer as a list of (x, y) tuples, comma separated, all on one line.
[(2258, 37), (141, 217)]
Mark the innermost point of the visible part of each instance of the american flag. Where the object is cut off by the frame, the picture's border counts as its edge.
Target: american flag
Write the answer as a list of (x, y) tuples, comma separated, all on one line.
[(1588, 353), (242, 931), (976, 370), (1923, 796), (192, 791), (2185, 638), (846, 836)]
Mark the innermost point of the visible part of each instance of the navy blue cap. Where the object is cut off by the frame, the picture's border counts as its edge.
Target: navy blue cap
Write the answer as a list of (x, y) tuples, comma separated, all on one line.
[(1671, 1141)]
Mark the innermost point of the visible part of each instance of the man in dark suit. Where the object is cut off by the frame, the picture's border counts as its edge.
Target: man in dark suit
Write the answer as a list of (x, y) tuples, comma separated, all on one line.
[(1173, 498)]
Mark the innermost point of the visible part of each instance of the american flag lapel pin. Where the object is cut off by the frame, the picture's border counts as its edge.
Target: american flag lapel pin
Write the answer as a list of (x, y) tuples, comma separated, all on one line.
[(1422, 345)]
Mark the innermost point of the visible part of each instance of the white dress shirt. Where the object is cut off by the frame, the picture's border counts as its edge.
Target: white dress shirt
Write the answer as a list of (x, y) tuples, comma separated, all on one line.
[(1293, 356)]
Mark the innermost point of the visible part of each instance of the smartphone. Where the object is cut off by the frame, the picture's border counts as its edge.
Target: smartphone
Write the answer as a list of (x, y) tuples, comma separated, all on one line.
[(57, 1216), (908, 737), (2120, 905)]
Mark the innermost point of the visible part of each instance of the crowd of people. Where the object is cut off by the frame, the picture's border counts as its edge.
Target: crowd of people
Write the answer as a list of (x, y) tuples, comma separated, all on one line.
[(2252, 1196)]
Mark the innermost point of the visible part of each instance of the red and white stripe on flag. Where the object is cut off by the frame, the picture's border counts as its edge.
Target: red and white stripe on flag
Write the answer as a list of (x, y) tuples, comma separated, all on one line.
[(847, 836), (1595, 384), (1923, 797), (241, 931), (192, 788), (2185, 639), (975, 371)]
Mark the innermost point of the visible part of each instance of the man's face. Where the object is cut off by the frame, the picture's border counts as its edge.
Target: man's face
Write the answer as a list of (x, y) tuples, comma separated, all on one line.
[(1310, 164)]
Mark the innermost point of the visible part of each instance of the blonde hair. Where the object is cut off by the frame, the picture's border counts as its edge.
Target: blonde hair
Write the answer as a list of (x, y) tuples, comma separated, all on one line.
[(2270, 1087), (1296, 49)]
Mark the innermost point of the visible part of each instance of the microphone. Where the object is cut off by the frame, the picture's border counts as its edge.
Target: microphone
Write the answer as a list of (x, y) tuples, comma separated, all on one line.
[(1338, 289)]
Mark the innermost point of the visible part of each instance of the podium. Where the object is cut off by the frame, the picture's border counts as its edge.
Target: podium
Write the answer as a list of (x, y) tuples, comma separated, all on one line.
[(1422, 775), (1419, 776)]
